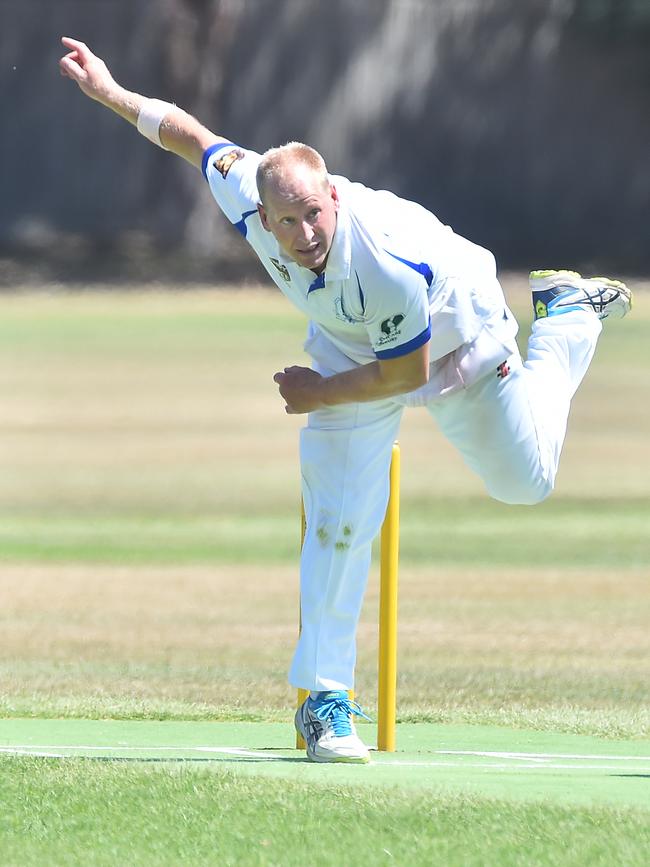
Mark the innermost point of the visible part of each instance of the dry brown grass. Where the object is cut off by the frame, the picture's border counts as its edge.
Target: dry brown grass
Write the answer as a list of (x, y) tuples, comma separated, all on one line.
[(222, 637)]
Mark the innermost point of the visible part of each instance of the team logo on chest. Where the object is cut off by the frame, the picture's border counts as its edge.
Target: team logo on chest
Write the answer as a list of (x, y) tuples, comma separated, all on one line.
[(284, 271), (341, 312)]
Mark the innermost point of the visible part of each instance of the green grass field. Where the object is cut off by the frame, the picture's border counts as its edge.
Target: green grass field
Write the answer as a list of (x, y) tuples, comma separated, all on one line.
[(149, 527)]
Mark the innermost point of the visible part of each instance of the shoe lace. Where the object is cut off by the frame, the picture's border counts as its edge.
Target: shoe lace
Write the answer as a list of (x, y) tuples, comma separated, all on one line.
[(336, 708)]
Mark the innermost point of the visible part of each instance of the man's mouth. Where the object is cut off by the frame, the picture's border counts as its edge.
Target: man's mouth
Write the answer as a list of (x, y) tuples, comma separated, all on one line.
[(309, 250)]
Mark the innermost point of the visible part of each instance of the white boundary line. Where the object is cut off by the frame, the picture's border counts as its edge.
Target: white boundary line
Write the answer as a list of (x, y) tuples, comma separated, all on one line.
[(26, 751), (527, 761), (542, 756), (536, 766)]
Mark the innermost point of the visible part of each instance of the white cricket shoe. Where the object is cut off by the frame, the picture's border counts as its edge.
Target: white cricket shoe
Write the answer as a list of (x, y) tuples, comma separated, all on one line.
[(557, 292), (326, 725)]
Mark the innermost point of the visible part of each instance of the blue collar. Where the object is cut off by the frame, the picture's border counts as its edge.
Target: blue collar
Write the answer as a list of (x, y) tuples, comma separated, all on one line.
[(319, 283)]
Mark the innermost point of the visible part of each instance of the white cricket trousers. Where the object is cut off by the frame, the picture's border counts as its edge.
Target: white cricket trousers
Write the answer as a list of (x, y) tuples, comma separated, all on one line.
[(509, 430)]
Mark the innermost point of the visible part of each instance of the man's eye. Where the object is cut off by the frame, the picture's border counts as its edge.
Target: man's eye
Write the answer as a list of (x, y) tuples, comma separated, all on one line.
[(314, 213)]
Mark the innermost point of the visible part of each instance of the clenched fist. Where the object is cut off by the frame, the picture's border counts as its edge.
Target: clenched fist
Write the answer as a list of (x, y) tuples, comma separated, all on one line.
[(300, 387)]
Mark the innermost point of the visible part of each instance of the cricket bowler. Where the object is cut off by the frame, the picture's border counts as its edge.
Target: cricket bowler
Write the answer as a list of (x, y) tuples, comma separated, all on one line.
[(402, 311)]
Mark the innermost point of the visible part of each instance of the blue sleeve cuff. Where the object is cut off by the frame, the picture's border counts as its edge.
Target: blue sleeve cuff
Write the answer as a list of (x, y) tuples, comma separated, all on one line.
[(405, 348), (208, 153)]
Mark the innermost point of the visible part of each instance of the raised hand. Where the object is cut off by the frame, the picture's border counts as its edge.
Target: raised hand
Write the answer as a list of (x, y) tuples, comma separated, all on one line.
[(89, 71)]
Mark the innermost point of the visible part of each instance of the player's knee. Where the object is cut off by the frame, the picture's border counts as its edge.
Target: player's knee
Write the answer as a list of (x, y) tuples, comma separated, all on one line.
[(522, 492)]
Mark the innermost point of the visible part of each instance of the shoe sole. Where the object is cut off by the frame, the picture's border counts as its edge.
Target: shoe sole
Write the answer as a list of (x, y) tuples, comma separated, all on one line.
[(623, 289), (338, 760)]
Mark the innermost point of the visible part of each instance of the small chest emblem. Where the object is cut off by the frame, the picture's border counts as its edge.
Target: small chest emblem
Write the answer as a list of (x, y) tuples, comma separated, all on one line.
[(284, 271), (341, 312)]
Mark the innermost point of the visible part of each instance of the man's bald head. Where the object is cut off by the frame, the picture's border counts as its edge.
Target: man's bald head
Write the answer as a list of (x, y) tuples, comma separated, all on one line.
[(279, 166)]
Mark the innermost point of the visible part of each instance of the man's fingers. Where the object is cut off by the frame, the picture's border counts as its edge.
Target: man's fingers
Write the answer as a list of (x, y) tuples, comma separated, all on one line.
[(70, 67), (288, 370), (79, 50), (72, 70), (278, 377), (76, 45)]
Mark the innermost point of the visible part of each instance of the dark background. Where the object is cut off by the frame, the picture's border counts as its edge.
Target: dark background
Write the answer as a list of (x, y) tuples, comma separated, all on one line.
[(523, 124)]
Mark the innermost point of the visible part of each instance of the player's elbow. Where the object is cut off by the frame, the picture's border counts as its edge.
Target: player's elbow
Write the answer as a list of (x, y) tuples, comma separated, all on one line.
[(406, 381), (417, 374), (417, 378), (406, 372)]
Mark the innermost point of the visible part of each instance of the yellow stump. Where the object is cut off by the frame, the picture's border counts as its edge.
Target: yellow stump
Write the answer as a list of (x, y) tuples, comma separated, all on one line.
[(300, 741), (387, 664), (302, 693)]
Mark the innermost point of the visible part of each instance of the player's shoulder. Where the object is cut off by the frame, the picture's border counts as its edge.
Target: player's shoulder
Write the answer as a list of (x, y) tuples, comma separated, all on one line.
[(388, 219), (380, 243), (365, 203), (231, 173), (220, 158)]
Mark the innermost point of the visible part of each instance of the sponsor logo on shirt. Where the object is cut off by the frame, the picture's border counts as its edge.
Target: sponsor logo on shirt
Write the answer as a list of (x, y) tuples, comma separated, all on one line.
[(224, 164), (390, 329), (284, 271)]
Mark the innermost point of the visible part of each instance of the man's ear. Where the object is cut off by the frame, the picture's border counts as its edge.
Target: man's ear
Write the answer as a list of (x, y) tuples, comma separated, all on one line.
[(263, 216), (335, 197)]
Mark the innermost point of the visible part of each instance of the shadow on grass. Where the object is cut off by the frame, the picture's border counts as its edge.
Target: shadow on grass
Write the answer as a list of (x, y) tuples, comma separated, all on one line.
[(634, 776)]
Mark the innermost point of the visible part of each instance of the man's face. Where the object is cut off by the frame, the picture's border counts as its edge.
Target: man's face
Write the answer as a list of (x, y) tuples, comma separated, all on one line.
[(301, 212)]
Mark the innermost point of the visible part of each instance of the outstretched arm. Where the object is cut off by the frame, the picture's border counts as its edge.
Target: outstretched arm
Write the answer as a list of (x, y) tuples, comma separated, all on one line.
[(179, 132)]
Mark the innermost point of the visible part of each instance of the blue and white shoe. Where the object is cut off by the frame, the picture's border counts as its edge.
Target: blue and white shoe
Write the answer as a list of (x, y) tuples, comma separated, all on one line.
[(326, 725), (556, 292)]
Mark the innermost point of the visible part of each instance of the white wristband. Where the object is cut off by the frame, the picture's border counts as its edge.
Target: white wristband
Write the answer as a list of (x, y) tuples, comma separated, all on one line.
[(151, 115)]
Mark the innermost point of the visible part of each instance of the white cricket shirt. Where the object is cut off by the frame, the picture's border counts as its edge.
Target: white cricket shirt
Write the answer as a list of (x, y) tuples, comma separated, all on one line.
[(395, 277)]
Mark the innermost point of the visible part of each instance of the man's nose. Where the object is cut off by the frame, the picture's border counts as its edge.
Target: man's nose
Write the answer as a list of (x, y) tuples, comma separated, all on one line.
[(306, 231)]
